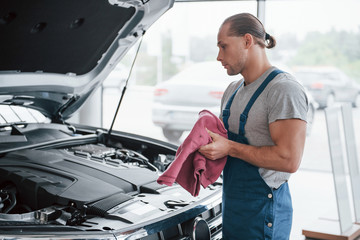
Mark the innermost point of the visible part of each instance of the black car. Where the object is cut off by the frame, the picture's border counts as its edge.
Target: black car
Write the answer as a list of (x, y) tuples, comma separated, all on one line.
[(62, 180)]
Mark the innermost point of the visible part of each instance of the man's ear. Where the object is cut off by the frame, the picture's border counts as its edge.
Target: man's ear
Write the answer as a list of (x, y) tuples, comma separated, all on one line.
[(249, 40)]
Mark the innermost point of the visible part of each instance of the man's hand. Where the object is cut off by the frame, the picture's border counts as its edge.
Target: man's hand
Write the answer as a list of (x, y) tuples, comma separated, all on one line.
[(217, 149)]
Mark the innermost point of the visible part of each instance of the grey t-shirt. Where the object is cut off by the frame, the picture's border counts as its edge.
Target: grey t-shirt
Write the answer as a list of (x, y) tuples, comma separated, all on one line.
[(283, 98)]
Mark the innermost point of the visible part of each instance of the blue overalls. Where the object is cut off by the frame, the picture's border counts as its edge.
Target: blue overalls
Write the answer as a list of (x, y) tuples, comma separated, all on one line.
[(251, 209)]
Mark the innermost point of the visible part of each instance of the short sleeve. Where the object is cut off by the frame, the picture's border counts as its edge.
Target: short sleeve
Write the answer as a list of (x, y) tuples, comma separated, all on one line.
[(287, 99)]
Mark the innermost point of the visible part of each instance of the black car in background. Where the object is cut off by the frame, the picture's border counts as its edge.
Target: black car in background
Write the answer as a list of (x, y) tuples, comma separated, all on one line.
[(60, 180), (329, 85)]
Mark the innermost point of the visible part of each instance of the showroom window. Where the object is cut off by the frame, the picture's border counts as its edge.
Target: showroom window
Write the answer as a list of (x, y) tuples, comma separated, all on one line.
[(322, 35)]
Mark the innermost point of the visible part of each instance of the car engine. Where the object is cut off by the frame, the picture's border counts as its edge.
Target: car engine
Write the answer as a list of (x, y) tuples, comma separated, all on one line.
[(76, 180)]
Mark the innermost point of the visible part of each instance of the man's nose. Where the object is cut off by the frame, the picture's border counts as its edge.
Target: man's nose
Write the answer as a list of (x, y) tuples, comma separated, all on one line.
[(219, 57)]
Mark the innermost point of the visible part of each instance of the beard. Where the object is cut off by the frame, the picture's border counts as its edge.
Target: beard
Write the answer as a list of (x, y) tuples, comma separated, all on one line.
[(238, 65), (237, 68)]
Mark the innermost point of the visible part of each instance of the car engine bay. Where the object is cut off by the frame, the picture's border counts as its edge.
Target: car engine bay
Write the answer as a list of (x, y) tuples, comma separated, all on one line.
[(85, 183)]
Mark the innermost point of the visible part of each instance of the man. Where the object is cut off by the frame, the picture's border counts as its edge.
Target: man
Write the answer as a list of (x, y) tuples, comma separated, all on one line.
[(265, 115)]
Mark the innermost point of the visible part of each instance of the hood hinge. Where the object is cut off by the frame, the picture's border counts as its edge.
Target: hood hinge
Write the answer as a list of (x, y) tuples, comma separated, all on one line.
[(59, 117)]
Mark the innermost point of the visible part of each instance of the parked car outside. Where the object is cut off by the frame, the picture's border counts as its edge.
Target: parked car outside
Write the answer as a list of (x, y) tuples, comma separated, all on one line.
[(178, 101), (60, 180), (329, 85)]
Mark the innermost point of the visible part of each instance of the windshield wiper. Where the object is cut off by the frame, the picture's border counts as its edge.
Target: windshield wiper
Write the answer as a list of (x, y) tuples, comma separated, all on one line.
[(59, 118)]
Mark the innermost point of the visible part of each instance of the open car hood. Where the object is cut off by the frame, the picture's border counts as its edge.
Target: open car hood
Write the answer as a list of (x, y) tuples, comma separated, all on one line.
[(91, 37)]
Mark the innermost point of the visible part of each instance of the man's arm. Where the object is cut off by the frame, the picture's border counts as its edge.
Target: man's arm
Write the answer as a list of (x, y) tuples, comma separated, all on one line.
[(289, 141)]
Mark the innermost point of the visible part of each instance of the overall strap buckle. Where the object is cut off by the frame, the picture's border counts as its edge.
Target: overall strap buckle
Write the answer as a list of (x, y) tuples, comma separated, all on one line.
[(243, 118)]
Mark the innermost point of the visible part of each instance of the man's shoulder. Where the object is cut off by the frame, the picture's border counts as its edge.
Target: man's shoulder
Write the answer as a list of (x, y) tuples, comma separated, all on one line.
[(285, 81)]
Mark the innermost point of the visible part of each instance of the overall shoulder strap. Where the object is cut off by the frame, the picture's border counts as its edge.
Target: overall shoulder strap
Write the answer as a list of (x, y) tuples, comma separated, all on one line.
[(226, 110), (244, 115)]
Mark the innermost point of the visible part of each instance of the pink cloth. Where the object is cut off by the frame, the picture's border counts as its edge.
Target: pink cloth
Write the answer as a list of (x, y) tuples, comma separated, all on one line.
[(191, 169)]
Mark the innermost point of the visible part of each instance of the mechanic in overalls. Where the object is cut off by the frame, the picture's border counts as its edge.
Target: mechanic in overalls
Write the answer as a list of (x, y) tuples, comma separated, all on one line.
[(265, 116)]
